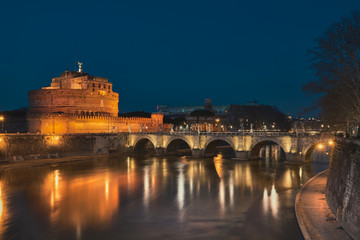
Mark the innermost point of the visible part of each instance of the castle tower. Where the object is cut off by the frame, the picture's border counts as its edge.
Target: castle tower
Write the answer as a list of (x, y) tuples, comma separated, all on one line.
[(75, 93), (208, 104), (77, 102)]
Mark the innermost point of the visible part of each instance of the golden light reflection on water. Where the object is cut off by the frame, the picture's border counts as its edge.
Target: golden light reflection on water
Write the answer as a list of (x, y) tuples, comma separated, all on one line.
[(181, 192), (1, 202), (146, 187), (231, 189), (218, 162), (243, 179), (222, 197), (287, 179), (271, 202), (86, 200), (4, 212), (95, 196)]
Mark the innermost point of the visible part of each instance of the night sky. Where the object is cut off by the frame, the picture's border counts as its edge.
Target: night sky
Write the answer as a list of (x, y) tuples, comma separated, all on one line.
[(167, 52)]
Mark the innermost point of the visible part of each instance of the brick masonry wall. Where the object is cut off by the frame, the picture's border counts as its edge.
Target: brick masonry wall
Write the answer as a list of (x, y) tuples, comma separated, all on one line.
[(34, 146), (343, 186), (70, 124)]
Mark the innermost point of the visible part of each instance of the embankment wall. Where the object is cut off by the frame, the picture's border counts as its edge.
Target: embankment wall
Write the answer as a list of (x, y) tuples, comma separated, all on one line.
[(343, 185), (33, 146)]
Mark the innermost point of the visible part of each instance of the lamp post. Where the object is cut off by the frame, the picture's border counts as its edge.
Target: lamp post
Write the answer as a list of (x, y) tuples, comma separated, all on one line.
[(2, 119), (217, 123)]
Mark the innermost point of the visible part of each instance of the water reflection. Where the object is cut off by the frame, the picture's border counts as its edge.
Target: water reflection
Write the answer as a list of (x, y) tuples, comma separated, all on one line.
[(86, 200), (180, 198), (3, 210), (146, 187), (218, 163), (118, 196), (271, 202)]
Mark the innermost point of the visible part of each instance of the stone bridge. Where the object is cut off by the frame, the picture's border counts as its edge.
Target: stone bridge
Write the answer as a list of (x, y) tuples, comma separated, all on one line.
[(295, 147)]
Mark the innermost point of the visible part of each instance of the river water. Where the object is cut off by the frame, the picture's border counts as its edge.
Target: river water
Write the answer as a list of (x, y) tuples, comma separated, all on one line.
[(153, 198)]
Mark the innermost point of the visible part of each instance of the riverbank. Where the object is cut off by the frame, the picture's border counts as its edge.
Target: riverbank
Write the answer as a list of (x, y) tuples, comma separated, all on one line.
[(314, 217), (24, 147), (14, 165)]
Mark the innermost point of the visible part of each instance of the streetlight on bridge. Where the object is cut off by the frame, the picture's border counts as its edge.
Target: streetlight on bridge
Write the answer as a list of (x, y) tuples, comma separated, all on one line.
[(2, 119)]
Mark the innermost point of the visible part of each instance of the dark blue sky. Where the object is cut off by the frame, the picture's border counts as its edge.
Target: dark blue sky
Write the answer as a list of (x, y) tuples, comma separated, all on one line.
[(167, 52)]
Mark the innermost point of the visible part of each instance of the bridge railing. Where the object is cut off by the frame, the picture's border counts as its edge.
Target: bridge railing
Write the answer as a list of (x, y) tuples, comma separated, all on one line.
[(245, 133)]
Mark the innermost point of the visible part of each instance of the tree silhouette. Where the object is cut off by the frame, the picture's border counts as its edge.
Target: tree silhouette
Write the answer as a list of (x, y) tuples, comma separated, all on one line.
[(336, 62)]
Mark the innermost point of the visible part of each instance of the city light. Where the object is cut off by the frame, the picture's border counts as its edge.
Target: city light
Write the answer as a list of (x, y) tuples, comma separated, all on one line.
[(2, 123), (53, 140), (320, 146), (102, 93)]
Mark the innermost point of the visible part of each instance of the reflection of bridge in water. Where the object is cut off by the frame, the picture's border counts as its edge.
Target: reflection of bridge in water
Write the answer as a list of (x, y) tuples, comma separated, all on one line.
[(288, 146)]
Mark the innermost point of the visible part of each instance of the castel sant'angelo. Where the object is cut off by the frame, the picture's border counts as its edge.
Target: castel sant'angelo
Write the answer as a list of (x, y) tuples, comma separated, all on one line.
[(77, 102)]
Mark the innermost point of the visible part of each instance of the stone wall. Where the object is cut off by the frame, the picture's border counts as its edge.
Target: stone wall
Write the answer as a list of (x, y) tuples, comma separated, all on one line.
[(343, 186), (15, 147), (61, 123), (73, 101)]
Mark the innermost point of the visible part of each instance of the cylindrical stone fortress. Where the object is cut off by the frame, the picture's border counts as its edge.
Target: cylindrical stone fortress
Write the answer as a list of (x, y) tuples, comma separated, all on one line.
[(75, 93)]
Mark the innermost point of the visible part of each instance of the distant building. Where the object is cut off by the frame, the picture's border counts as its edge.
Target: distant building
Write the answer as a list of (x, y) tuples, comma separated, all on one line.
[(217, 122), (257, 117), (77, 102), (310, 124), (233, 117), (14, 121), (186, 109)]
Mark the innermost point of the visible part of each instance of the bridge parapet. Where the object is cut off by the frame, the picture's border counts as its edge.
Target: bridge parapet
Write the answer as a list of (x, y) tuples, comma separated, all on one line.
[(245, 133), (244, 144)]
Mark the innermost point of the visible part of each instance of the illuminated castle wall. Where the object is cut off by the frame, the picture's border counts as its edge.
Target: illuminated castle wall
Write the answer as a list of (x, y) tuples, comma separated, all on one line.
[(77, 102), (76, 93)]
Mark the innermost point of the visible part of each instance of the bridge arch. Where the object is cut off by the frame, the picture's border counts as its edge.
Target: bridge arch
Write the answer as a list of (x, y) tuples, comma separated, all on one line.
[(178, 146), (144, 145), (308, 153), (256, 148), (312, 149), (214, 144)]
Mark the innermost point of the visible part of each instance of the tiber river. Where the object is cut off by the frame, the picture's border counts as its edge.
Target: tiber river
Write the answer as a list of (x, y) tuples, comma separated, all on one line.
[(153, 198)]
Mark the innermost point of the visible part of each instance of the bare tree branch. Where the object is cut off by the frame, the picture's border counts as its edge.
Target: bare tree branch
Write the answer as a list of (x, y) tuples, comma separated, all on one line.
[(335, 61)]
